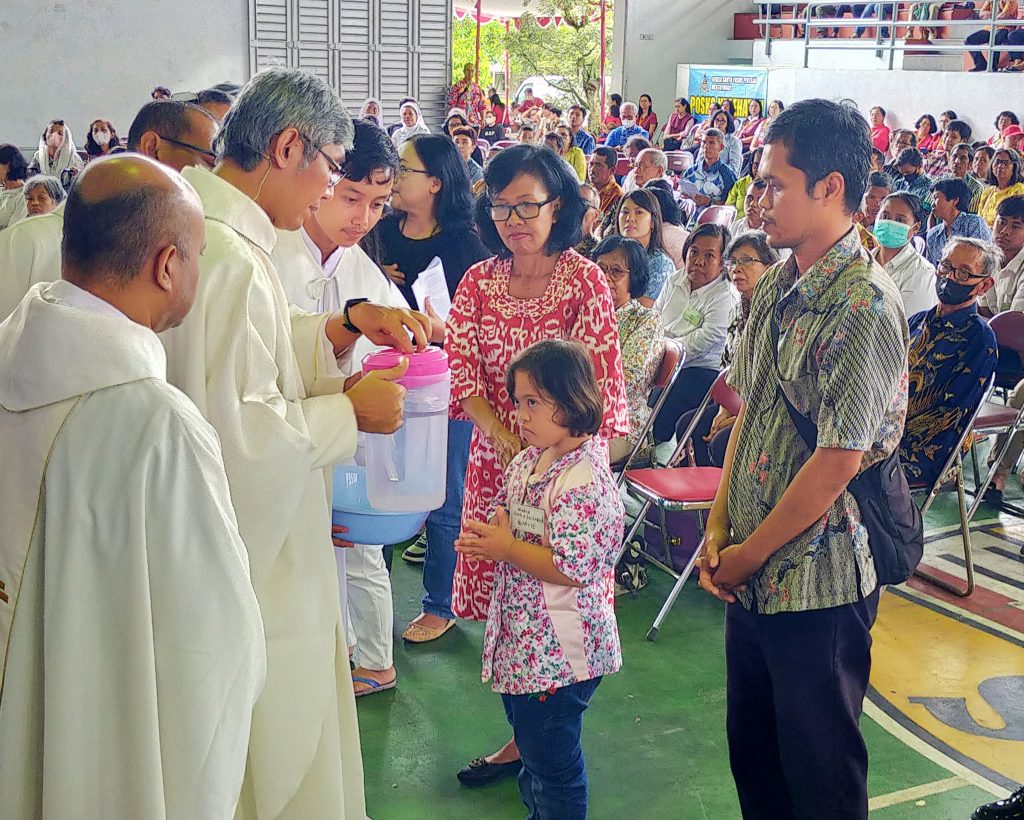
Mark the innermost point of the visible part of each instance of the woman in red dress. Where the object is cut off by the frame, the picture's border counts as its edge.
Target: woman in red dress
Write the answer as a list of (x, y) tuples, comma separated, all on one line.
[(537, 287)]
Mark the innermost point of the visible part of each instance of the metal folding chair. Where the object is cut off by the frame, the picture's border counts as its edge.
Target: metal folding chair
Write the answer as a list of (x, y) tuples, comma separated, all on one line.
[(953, 471), (992, 417), (679, 161), (673, 489), (672, 359)]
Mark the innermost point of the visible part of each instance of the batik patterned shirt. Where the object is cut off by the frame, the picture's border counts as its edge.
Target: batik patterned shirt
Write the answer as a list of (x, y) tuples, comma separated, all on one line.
[(951, 360), (542, 635), (842, 362)]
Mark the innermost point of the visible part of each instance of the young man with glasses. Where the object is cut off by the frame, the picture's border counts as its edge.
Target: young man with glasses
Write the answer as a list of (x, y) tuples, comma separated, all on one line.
[(953, 353)]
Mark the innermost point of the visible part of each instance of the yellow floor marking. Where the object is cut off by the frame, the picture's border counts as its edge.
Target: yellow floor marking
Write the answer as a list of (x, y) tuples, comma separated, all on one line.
[(883, 801), (919, 653), (928, 751)]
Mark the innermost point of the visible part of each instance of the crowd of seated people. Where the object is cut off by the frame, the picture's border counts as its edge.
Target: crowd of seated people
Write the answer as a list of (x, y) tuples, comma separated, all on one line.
[(942, 215)]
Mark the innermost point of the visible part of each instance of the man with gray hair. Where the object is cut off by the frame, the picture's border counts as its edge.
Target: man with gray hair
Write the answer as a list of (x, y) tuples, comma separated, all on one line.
[(651, 164), (131, 644), (267, 379), (173, 133), (953, 353), (617, 136), (708, 182)]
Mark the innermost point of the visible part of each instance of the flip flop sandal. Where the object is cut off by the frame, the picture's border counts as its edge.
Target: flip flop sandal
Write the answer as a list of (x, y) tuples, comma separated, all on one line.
[(375, 686), (417, 633)]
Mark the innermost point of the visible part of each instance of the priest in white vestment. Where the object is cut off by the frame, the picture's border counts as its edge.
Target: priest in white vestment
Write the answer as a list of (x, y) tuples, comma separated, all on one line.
[(173, 133), (266, 377), (130, 636)]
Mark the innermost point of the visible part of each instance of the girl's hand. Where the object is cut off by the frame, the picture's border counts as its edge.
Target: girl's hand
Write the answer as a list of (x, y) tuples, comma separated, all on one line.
[(437, 324), (487, 542), (506, 443), (394, 274), (722, 421)]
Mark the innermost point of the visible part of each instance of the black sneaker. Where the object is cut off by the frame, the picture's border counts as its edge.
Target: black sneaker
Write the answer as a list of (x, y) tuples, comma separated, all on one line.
[(1010, 808), (479, 772)]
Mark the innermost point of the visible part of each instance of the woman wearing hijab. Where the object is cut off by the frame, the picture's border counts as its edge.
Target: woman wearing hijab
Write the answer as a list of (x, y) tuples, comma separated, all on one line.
[(412, 124), (56, 153), (371, 111)]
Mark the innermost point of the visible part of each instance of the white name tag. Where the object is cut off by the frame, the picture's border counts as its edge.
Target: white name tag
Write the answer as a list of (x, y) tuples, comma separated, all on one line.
[(527, 519)]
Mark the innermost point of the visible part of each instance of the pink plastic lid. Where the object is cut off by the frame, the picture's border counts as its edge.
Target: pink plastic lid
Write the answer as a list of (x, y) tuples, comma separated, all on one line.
[(426, 367)]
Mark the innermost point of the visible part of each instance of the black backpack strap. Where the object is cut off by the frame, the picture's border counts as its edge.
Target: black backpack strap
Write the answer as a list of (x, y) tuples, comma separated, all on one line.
[(804, 426)]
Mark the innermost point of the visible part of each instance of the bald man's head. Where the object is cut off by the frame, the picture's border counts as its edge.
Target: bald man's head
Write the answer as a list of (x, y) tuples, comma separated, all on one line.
[(132, 224)]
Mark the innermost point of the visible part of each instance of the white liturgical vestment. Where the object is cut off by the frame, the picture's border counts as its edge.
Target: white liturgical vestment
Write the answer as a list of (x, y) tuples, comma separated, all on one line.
[(130, 636), (259, 373), (29, 254)]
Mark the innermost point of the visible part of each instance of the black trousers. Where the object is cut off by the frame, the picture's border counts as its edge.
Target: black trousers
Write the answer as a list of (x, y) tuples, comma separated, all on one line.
[(687, 394), (979, 37), (795, 691)]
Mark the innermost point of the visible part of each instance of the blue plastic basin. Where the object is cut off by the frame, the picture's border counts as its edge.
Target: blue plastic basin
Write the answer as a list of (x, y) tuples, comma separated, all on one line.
[(351, 509)]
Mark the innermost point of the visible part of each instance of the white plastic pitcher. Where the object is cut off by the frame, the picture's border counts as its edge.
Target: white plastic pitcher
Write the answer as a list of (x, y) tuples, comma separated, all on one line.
[(405, 471)]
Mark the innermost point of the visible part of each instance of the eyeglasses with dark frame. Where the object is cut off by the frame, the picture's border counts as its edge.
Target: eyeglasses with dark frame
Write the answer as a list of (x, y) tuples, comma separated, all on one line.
[(742, 262), (524, 210), (961, 275), (405, 170), (188, 146)]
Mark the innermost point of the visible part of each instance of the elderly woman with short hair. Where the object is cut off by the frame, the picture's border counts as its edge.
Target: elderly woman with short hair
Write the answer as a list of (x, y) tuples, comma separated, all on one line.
[(42, 194), (624, 263)]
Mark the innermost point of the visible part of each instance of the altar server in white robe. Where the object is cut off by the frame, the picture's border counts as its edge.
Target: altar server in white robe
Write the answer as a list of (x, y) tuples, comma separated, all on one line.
[(173, 133), (130, 636), (321, 267), (266, 378)]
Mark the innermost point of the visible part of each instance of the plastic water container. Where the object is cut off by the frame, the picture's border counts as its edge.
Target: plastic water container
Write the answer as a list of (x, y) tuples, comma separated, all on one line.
[(405, 471), (366, 525)]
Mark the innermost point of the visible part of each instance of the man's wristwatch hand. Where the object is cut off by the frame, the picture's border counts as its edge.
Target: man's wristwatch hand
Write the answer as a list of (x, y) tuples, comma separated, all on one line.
[(346, 320)]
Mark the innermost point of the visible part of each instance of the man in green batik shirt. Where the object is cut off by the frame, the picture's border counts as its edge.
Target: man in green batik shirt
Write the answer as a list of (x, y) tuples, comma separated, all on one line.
[(784, 544)]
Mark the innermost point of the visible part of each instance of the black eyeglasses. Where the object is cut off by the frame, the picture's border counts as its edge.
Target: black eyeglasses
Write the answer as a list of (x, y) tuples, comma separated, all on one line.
[(337, 173), (206, 153), (524, 210), (961, 275)]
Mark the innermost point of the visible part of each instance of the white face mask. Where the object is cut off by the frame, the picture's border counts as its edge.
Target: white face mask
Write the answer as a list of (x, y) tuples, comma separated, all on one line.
[(101, 137), (628, 122), (55, 140)]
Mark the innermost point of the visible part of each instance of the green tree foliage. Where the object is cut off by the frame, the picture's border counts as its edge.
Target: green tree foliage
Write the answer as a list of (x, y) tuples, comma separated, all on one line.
[(568, 55)]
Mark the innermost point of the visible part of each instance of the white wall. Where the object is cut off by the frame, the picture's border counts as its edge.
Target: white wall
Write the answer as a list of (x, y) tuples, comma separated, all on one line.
[(681, 31), (82, 60), (906, 95)]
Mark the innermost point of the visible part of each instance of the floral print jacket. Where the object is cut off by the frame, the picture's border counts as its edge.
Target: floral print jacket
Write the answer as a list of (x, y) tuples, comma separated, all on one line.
[(542, 635)]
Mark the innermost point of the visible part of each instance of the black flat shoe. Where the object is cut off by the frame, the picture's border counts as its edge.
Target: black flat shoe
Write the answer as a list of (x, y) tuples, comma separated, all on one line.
[(993, 496), (1010, 807), (479, 772)]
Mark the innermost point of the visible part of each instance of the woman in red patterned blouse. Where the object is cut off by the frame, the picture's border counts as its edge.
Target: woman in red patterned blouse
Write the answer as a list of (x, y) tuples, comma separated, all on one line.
[(537, 287)]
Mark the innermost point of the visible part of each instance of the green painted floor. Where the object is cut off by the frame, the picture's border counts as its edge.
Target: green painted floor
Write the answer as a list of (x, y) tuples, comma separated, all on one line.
[(654, 735)]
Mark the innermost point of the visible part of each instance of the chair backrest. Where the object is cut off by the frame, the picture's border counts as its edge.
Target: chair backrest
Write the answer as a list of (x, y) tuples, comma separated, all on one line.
[(623, 167), (1009, 329), (504, 144), (684, 439), (671, 358), (483, 145), (718, 214), (679, 161), (725, 396)]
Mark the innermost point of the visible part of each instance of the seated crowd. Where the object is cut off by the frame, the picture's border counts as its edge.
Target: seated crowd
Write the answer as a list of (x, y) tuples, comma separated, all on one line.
[(621, 240)]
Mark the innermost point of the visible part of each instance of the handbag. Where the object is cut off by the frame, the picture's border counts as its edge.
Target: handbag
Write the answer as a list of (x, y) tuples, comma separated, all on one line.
[(887, 510)]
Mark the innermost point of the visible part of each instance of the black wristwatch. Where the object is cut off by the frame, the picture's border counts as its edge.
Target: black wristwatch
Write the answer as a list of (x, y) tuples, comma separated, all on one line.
[(345, 321)]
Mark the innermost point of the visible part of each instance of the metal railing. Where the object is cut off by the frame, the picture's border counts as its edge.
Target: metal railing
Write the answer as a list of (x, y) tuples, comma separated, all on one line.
[(883, 45)]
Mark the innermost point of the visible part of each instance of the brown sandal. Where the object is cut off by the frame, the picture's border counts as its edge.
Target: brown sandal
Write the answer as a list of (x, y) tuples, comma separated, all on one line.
[(417, 633)]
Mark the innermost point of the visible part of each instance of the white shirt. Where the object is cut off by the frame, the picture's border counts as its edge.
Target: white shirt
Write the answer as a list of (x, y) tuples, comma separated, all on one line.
[(914, 276), (12, 206), (699, 319), (29, 253), (1008, 293)]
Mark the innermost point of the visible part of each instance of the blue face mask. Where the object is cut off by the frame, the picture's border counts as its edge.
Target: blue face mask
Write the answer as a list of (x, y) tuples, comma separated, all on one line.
[(891, 234)]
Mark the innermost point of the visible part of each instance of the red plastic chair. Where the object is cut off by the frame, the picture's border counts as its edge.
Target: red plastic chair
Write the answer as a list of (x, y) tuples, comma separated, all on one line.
[(718, 214), (672, 359), (673, 489), (504, 144), (623, 166), (679, 161), (483, 145)]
